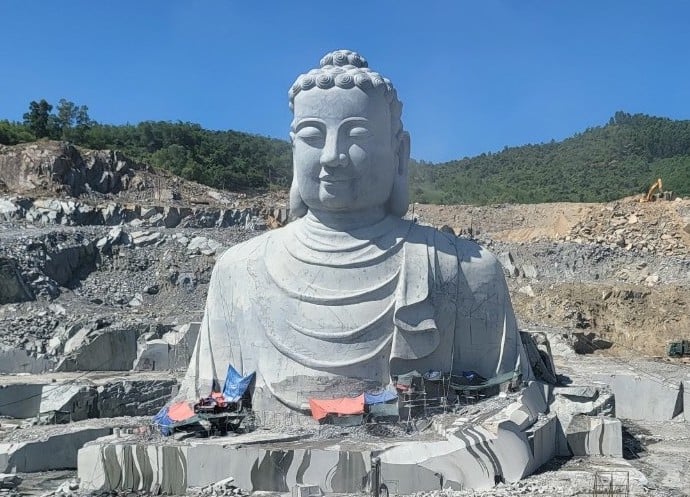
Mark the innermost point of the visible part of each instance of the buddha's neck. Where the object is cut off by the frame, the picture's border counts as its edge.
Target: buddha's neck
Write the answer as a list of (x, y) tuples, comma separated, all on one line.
[(347, 221)]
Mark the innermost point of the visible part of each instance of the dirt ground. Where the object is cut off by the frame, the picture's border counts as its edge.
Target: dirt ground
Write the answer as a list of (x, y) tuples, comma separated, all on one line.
[(602, 270)]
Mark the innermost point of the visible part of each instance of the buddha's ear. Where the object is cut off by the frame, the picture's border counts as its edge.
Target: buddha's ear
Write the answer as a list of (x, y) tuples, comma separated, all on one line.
[(403, 153), (399, 200), (297, 206)]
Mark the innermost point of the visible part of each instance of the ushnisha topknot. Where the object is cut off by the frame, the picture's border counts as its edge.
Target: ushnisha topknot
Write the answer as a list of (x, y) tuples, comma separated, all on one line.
[(347, 69)]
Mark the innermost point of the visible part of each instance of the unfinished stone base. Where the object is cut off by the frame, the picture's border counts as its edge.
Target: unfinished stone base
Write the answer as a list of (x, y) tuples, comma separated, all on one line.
[(504, 443), (474, 457)]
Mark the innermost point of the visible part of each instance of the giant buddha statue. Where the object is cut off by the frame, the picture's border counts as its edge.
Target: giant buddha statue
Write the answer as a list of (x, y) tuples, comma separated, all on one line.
[(349, 294)]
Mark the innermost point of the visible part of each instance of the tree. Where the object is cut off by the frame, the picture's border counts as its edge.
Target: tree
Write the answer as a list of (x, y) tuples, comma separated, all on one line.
[(12, 133), (38, 118), (72, 121), (66, 116)]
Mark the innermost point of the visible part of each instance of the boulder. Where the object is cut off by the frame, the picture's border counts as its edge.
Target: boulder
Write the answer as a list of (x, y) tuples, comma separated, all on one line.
[(645, 397), (13, 288), (595, 436)]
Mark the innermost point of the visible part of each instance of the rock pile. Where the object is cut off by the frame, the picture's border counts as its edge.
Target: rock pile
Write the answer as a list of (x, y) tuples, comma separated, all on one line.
[(643, 228), (220, 488), (50, 211)]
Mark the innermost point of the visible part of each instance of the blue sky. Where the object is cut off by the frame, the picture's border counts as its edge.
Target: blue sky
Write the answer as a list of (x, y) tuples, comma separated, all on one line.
[(473, 76)]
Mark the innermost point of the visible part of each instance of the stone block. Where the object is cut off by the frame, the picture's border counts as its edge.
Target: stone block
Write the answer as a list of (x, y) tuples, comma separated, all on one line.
[(134, 397), (542, 439), (14, 361), (50, 453), (645, 397), (112, 350), (595, 436), (153, 355), (20, 400), (575, 400), (77, 400)]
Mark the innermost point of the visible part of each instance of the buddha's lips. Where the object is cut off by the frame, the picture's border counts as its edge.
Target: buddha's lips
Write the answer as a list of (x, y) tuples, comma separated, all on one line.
[(336, 179)]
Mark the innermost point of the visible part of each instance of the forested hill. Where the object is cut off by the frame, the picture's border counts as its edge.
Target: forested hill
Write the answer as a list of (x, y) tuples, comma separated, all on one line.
[(601, 164), (222, 159)]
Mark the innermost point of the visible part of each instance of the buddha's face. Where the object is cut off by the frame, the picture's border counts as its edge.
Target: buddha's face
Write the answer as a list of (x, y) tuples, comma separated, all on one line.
[(343, 153)]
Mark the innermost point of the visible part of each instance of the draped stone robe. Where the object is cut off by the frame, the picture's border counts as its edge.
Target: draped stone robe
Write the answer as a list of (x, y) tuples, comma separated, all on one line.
[(318, 313)]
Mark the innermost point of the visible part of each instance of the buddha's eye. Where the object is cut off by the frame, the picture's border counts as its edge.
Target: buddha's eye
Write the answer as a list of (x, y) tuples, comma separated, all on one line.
[(360, 132), (311, 135)]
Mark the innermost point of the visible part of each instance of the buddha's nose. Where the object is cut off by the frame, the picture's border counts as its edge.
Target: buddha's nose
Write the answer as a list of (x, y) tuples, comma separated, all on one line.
[(331, 156)]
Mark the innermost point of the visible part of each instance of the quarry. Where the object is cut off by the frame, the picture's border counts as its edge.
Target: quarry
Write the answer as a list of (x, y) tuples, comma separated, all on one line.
[(116, 334), (99, 320)]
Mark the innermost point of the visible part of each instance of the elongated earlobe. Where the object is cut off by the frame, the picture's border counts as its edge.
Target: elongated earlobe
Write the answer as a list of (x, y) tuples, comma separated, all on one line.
[(400, 197), (297, 206)]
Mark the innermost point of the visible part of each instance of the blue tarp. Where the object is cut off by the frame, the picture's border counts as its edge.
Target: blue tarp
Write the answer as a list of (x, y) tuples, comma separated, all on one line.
[(236, 385), (163, 422), (378, 398)]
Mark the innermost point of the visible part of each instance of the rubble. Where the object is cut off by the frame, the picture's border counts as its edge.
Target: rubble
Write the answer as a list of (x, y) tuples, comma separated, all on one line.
[(111, 278)]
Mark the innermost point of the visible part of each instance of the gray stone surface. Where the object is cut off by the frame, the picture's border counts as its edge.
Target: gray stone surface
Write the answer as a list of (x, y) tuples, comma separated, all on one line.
[(13, 288), (54, 452), (595, 436), (134, 397), (20, 401), (13, 360), (350, 294), (100, 350), (572, 401), (645, 397), (473, 454), (84, 399)]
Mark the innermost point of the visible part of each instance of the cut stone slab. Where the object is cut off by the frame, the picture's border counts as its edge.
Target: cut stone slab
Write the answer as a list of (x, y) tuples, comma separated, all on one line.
[(595, 436), (142, 394), (96, 350), (645, 397), (542, 439), (14, 361), (578, 400), (153, 355), (77, 400), (20, 401), (182, 341), (54, 452)]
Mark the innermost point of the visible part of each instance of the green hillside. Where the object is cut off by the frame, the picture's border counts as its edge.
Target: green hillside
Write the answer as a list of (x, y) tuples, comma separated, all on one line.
[(222, 159), (601, 164)]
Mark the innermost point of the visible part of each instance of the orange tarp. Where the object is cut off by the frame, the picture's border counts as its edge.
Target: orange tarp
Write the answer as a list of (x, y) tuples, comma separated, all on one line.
[(180, 411), (320, 408)]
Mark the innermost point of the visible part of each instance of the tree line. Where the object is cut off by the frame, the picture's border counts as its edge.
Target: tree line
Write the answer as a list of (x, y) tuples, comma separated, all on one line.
[(600, 164), (221, 159), (622, 158)]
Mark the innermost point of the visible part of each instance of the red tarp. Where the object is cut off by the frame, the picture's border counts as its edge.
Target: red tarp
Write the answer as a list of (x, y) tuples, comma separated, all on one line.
[(320, 408), (180, 411)]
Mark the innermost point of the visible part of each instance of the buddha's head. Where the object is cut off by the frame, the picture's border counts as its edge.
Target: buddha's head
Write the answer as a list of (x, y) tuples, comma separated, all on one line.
[(350, 152)]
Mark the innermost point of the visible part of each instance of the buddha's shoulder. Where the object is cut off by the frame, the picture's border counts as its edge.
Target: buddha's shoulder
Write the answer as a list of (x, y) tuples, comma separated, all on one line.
[(470, 255), (242, 253)]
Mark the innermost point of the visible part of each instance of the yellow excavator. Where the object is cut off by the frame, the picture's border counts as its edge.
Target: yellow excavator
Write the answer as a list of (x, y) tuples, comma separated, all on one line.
[(656, 186)]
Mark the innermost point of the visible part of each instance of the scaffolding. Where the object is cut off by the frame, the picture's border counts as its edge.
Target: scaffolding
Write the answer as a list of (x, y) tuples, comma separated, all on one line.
[(611, 483)]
